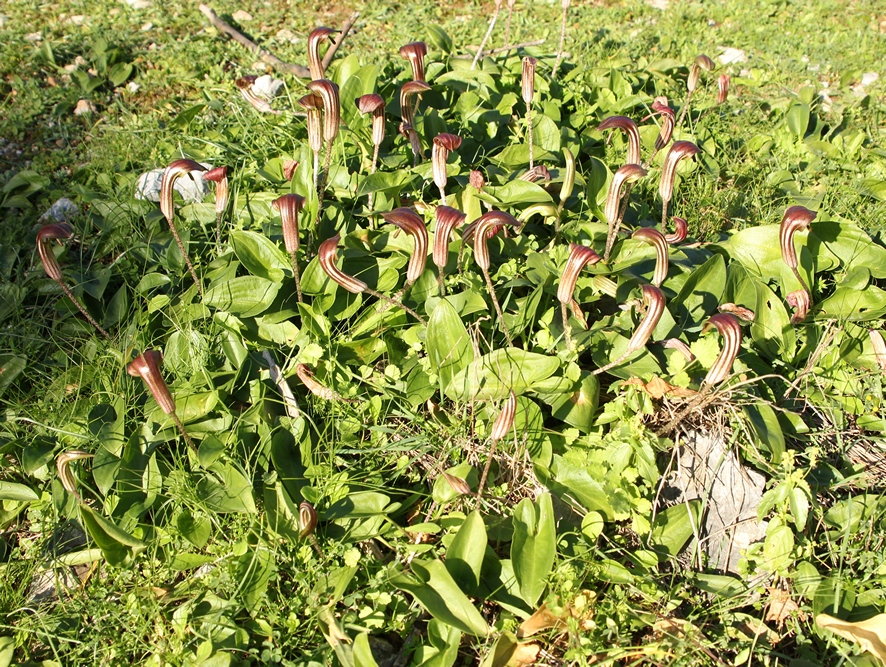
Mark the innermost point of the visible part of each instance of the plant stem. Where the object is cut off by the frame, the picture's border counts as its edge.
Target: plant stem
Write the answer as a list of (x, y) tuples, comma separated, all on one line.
[(294, 258), (218, 221), (181, 429), (440, 282), (316, 168), (664, 217), (322, 186), (82, 309), (486, 471), (613, 229), (372, 169), (529, 125), (511, 4), (501, 317), (181, 246), (683, 111), (399, 304), (567, 329)]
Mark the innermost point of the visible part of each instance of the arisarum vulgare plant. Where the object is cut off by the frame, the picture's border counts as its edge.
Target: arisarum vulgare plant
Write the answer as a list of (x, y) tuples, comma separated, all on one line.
[(415, 53), (678, 151), (374, 104), (65, 476), (45, 236), (657, 240), (722, 88), (729, 328), (315, 62), (484, 224), (407, 113), (681, 231), (632, 134), (444, 143), (327, 91), (173, 172), (448, 219), (290, 205), (147, 367), (219, 176), (654, 301), (502, 425), (612, 210), (702, 62), (795, 219), (313, 107), (800, 300), (666, 131), (326, 255), (408, 221), (579, 257)]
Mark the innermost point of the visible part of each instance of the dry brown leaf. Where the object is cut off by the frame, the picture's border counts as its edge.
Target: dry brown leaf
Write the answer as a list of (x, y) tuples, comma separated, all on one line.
[(524, 654), (781, 607), (659, 388), (869, 634), (675, 627), (542, 619)]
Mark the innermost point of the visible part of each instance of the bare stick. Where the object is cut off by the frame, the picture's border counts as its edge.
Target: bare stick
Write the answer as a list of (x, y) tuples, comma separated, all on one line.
[(488, 34), (512, 47), (345, 29), (82, 308), (263, 54), (486, 471), (529, 131), (277, 378), (511, 4), (562, 40)]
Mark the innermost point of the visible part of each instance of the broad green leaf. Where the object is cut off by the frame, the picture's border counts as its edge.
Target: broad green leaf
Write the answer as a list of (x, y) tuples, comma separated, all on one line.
[(854, 305), (117, 308), (438, 38), (493, 376), (777, 548), (195, 529), (435, 590), (771, 329), (534, 546), (226, 489), (674, 526), (442, 647), (579, 407), (245, 296), (516, 192), (254, 571), (797, 119), (464, 557), (260, 256), (763, 423), (16, 491), (577, 483), (7, 644), (11, 366), (363, 652), (850, 244), (700, 294), (444, 493), (117, 545), (448, 343), (545, 134), (386, 181)]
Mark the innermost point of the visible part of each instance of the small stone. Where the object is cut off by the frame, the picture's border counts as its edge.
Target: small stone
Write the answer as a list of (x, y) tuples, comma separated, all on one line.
[(241, 15), (77, 20), (133, 87), (138, 4), (84, 107), (868, 78), (147, 26), (731, 56), (286, 35), (3, 20), (266, 86), (659, 4), (191, 187), (34, 37), (62, 210)]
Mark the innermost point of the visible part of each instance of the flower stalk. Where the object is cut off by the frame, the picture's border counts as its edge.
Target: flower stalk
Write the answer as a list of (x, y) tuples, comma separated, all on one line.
[(702, 62), (374, 104), (147, 367), (502, 425), (444, 143), (654, 301), (795, 219), (528, 90), (407, 113), (290, 206), (219, 176), (51, 266), (326, 254), (657, 240), (173, 172), (484, 224), (613, 211)]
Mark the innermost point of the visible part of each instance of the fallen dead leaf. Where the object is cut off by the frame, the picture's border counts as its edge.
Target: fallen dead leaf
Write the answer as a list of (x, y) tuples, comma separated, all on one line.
[(869, 634), (781, 607), (84, 107), (542, 619), (675, 627), (659, 388)]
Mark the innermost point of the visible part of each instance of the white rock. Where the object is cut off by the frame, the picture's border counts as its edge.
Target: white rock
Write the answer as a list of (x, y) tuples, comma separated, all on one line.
[(708, 470), (191, 187), (133, 87), (62, 210), (659, 4), (868, 78), (84, 107), (266, 86), (147, 26), (731, 56), (34, 37), (3, 20), (286, 35), (241, 15), (77, 20), (138, 4)]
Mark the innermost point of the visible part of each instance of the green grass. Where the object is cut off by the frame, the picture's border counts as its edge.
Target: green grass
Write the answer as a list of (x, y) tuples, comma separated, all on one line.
[(212, 601)]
